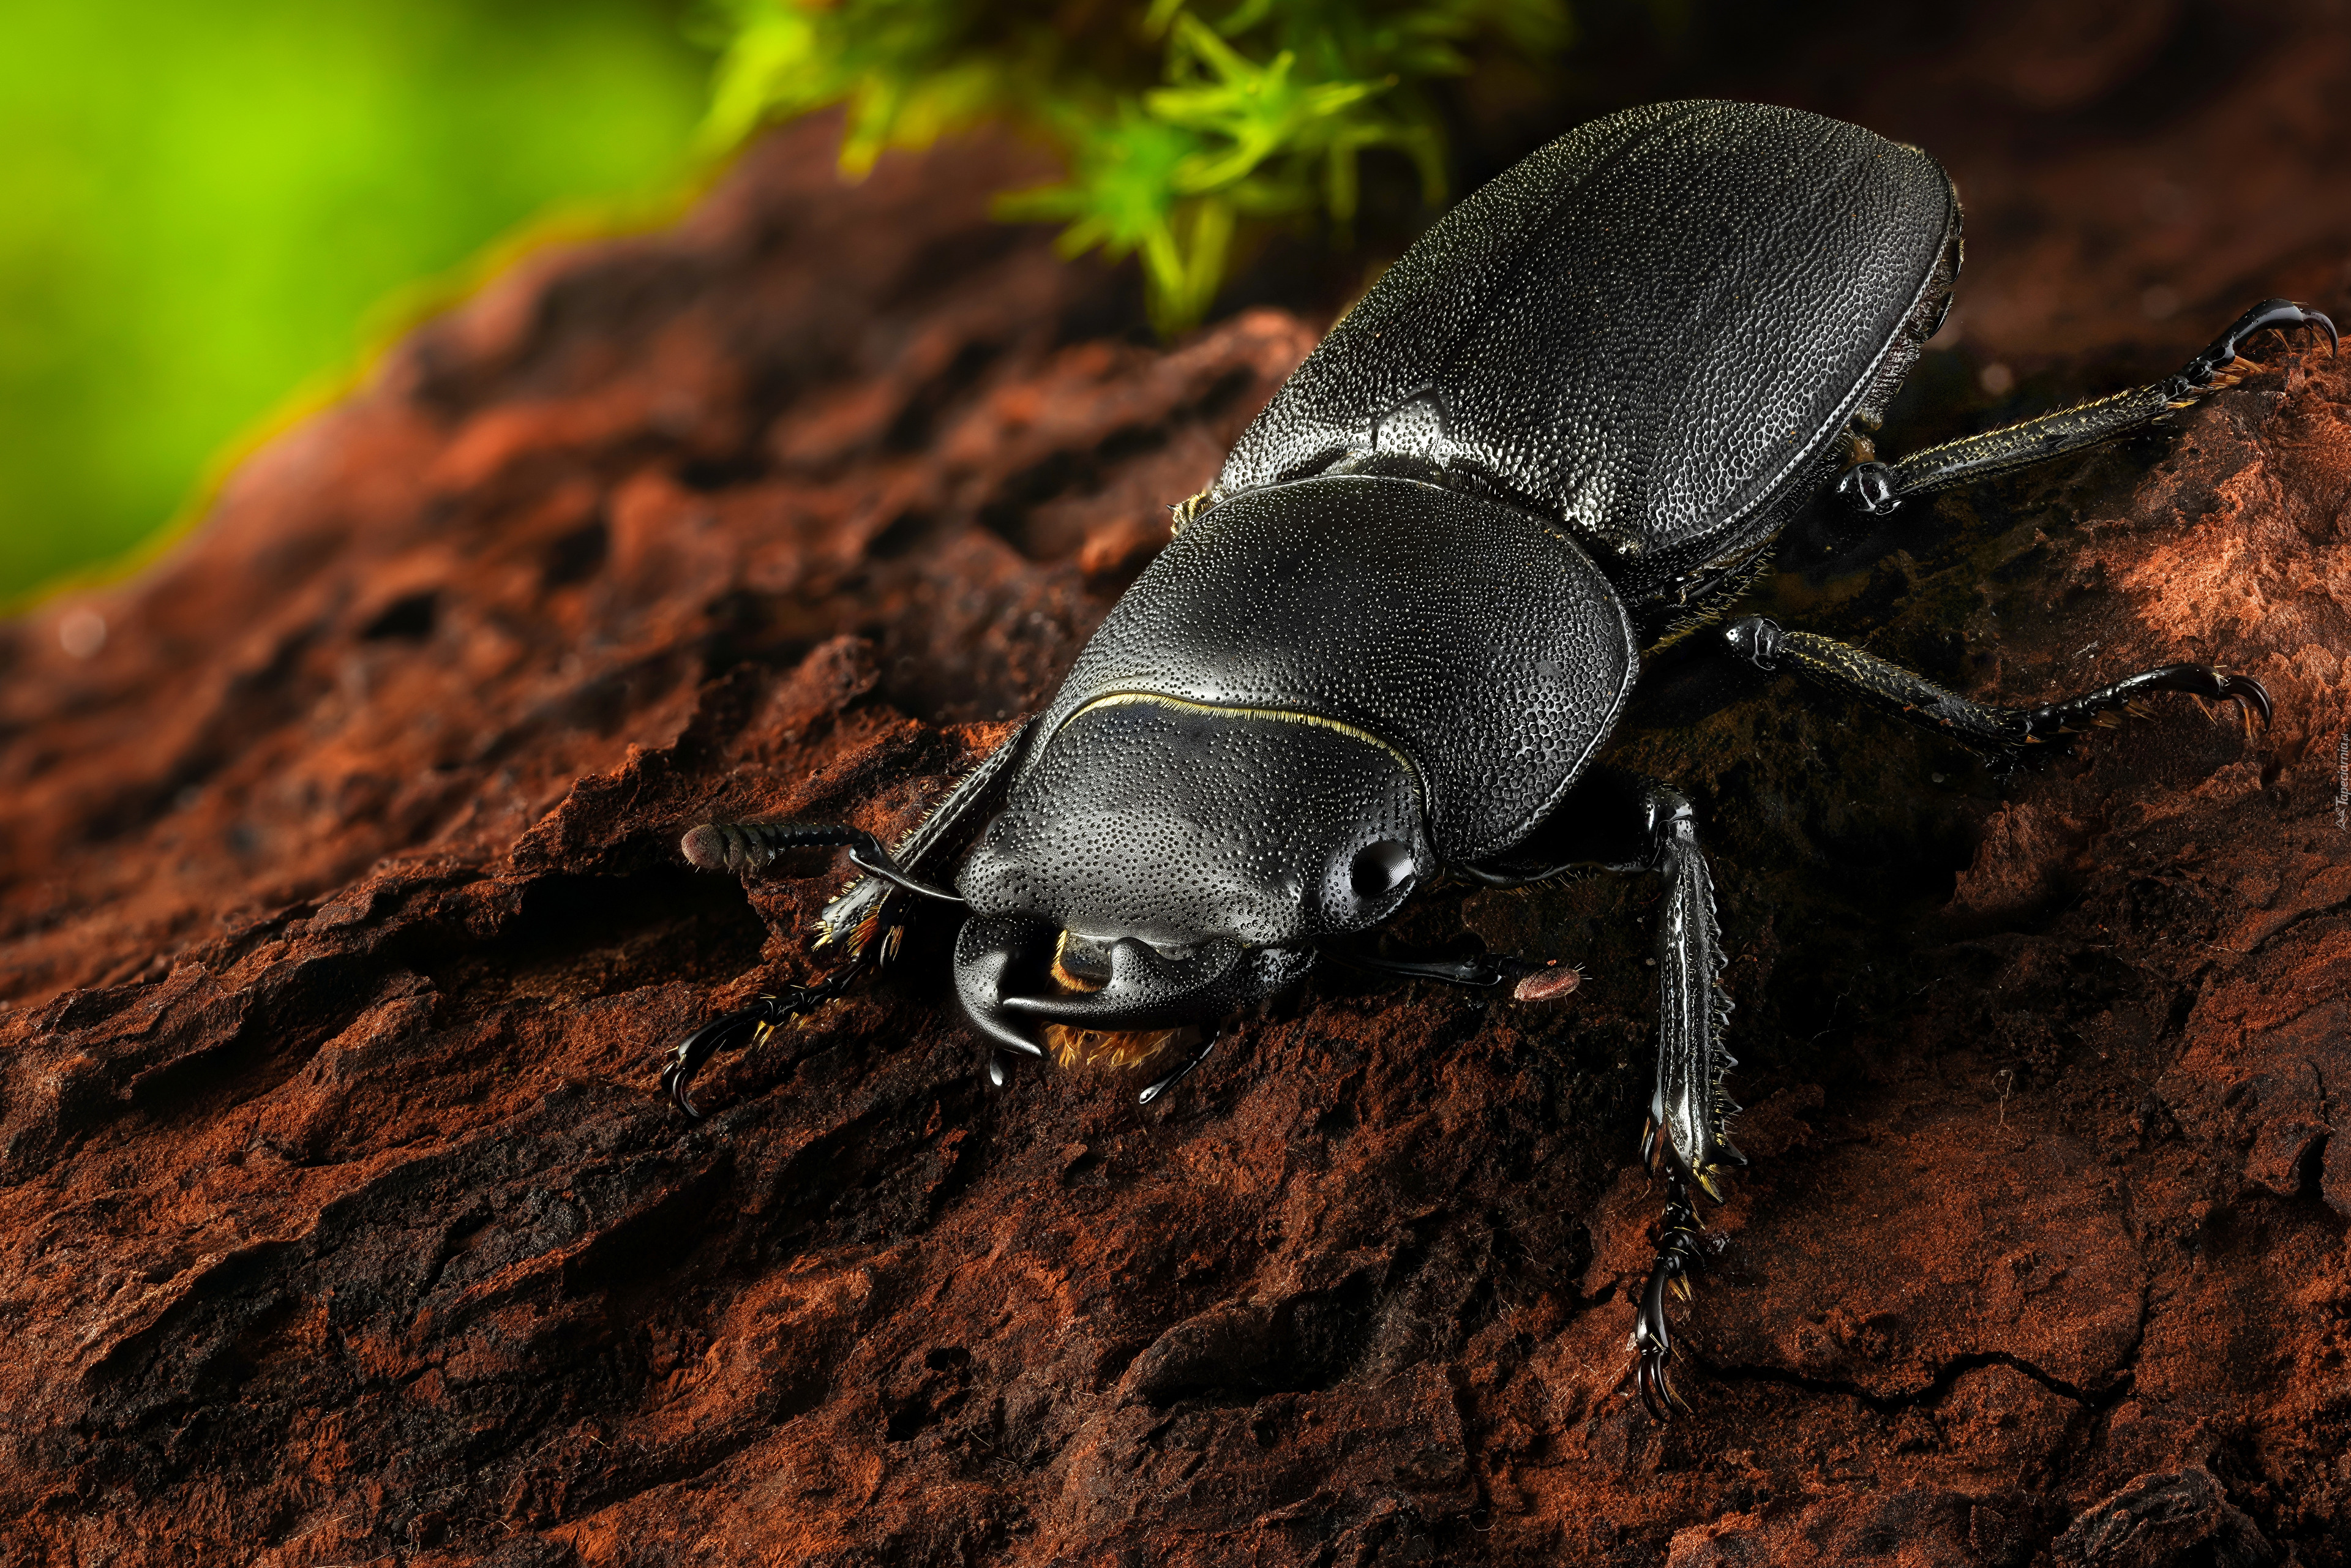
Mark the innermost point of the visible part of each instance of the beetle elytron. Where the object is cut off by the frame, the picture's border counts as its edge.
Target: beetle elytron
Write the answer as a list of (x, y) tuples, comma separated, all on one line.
[(1390, 640)]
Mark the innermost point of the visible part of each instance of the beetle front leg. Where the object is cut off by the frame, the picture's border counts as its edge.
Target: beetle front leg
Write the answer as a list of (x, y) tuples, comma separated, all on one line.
[(1687, 1107), (1679, 1255), (1623, 821), (747, 1027), (865, 923), (1684, 1142), (1875, 489), (746, 848)]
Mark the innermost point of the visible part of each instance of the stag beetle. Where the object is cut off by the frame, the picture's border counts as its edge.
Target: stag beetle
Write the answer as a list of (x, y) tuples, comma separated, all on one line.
[(1390, 640)]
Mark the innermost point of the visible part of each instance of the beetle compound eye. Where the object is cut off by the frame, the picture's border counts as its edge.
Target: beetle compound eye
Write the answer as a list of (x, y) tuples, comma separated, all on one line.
[(1380, 869)]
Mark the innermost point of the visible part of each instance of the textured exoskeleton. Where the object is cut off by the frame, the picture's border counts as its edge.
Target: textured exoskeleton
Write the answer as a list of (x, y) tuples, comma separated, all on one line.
[(1390, 640)]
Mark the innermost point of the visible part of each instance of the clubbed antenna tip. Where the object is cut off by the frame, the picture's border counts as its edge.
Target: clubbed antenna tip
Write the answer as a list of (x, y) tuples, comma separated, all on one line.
[(704, 847)]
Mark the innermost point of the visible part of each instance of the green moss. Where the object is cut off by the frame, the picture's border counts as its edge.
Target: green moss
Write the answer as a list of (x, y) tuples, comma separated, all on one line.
[(1175, 129), (201, 205)]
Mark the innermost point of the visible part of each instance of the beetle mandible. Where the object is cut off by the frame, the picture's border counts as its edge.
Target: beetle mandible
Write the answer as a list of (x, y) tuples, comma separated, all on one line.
[(1389, 641)]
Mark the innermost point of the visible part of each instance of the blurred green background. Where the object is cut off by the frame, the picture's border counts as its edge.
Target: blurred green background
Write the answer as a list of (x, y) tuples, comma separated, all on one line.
[(204, 208)]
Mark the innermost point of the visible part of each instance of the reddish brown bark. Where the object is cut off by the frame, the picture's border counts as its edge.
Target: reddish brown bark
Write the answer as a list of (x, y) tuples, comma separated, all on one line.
[(345, 923)]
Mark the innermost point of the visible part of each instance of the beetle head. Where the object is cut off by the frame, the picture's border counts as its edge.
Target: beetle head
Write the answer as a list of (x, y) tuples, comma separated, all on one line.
[(1167, 861)]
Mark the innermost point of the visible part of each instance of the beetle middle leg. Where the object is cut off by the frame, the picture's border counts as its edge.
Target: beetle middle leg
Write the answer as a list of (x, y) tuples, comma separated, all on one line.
[(1875, 488), (1530, 979), (2005, 735)]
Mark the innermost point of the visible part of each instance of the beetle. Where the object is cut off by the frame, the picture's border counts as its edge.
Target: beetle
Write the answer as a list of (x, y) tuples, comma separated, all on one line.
[(1390, 640)]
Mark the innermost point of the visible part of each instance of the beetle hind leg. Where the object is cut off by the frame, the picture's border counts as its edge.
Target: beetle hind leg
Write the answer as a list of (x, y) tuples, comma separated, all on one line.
[(2072, 715), (2005, 736), (1874, 488)]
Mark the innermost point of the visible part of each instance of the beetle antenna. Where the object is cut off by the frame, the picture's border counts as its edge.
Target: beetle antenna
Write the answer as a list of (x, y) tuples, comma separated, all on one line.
[(748, 846), (866, 854)]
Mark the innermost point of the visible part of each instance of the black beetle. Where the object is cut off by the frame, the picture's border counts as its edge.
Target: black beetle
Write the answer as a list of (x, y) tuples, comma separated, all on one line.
[(1389, 641)]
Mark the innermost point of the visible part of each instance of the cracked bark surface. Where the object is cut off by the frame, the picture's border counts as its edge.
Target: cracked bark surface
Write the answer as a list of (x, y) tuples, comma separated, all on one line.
[(345, 924)]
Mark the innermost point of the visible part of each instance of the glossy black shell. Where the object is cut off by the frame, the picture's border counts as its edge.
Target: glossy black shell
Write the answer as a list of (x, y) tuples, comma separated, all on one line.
[(1597, 386), (1652, 331), (1487, 649)]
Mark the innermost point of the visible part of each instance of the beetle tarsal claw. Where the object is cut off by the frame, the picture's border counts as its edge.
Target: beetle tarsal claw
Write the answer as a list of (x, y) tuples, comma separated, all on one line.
[(751, 1026), (687, 1056), (2223, 363), (1680, 1252), (2252, 697)]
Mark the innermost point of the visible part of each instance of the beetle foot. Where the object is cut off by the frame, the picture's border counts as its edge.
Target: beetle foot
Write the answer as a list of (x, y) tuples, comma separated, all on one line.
[(1680, 1253), (689, 1055), (2056, 721), (2221, 364), (749, 1026)]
